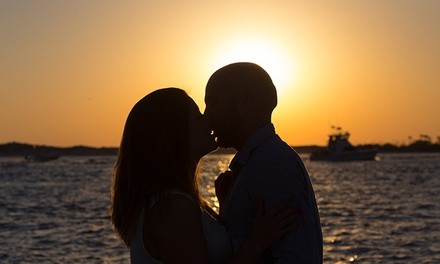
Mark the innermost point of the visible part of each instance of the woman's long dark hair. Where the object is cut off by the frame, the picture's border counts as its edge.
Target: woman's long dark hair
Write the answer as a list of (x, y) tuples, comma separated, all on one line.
[(153, 157)]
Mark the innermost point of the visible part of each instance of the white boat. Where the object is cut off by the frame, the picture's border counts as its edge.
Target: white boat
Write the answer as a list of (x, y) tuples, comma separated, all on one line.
[(340, 149)]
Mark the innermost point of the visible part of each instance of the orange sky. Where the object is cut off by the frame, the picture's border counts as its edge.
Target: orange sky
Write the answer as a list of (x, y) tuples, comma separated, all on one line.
[(71, 70)]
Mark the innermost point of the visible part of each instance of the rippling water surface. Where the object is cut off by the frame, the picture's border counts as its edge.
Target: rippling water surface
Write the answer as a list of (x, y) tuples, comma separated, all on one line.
[(384, 211)]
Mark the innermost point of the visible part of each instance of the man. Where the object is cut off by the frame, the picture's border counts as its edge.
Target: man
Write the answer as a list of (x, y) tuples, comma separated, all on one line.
[(239, 100)]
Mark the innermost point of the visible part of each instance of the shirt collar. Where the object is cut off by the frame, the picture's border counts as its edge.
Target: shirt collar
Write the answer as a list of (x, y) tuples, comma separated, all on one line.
[(242, 157)]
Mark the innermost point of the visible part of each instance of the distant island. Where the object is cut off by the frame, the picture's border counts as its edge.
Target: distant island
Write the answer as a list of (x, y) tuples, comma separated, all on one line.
[(15, 149), (22, 149)]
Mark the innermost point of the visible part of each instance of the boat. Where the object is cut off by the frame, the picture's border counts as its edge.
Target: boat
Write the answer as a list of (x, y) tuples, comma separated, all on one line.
[(340, 149), (41, 158)]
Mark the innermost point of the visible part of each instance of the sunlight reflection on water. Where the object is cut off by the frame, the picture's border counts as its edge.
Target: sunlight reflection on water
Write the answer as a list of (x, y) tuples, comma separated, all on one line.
[(383, 211)]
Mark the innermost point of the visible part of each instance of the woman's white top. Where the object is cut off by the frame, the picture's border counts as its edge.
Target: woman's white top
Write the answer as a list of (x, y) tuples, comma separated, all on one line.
[(217, 239)]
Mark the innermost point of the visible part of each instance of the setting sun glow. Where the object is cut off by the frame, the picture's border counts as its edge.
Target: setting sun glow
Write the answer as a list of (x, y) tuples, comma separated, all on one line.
[(70, 71), (273, 58)]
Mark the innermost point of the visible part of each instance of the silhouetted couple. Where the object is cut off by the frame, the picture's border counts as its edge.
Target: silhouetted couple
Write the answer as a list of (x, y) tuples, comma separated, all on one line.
[(268, 212)]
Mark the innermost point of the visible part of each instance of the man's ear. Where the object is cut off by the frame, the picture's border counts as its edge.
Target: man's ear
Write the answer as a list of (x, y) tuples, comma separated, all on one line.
[(245, 102)]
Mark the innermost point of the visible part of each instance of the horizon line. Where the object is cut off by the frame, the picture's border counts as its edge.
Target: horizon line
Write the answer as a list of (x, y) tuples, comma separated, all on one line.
[(115, 147)]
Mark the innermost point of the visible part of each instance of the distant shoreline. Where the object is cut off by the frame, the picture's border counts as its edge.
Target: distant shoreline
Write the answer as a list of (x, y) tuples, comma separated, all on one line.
[(15, 149)]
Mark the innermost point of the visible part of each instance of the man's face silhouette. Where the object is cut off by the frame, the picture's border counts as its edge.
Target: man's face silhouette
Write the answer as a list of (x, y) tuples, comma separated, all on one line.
[(222, 114)]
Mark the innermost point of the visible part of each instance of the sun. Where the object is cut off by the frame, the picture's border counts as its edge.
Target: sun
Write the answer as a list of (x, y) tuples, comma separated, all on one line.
[(271, 57)]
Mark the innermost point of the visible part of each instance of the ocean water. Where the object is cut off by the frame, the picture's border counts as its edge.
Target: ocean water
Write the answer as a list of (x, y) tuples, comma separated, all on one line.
[(385, 211)]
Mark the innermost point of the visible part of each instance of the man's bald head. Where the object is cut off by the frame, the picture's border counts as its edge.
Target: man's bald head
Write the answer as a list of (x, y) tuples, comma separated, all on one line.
[(246, 78)]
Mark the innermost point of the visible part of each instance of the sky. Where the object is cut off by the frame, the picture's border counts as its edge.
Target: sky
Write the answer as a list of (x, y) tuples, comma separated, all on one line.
[(70, 71)]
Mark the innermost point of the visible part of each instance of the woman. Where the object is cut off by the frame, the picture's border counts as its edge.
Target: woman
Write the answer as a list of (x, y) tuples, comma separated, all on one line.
[(156, 208)]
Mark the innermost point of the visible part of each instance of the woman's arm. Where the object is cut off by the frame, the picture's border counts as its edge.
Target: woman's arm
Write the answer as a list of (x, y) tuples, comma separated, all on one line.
[(178, 231), (267, 229)]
